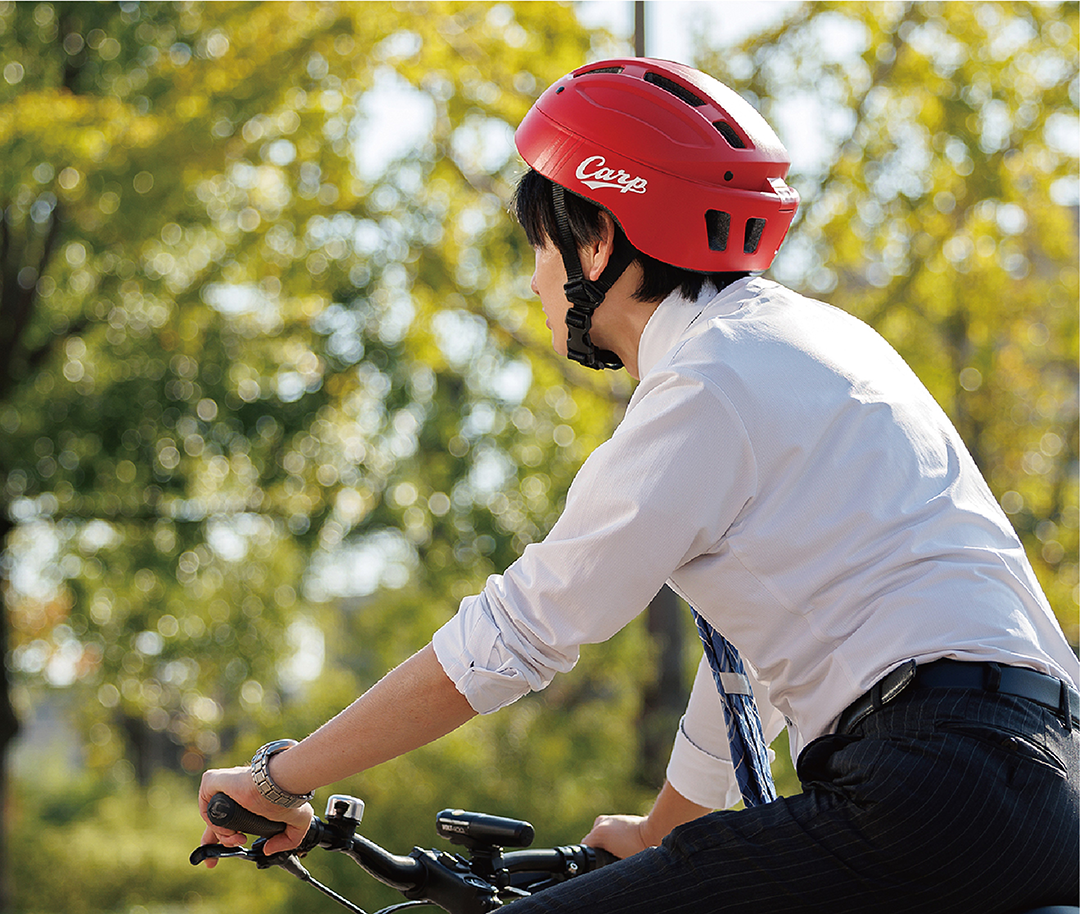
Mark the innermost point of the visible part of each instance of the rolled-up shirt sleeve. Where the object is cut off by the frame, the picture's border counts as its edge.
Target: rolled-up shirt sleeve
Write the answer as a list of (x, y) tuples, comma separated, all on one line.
[(633, 515), (487, 657), (700, 766)]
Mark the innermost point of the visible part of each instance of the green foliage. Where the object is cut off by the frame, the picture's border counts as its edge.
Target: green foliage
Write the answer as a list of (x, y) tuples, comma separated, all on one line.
[(251, 373), (90, 845), (939, 143), (268, 374), (268, 377)]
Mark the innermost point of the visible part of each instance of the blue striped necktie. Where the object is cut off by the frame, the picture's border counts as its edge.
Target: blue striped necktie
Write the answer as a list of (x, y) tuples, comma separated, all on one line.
[(749, 753)]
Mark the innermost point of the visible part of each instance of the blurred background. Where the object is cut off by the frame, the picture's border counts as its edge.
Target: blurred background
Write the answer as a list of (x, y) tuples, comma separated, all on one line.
[(274, 393)]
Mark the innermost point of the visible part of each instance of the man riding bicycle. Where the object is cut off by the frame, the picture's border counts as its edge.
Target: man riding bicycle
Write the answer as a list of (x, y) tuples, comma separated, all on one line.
[(788, 475)]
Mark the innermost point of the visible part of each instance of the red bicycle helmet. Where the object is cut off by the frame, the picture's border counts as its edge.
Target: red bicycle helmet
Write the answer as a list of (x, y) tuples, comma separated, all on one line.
[(692, 173)]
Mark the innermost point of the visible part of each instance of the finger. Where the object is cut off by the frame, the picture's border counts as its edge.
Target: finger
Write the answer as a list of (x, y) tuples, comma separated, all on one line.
[(595, 838), (210, 837), (225, 837), (598, 827), (597, 823), (286, 841)]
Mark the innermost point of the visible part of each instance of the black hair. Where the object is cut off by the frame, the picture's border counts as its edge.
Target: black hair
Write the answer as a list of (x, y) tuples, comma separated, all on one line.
[(536, 213)]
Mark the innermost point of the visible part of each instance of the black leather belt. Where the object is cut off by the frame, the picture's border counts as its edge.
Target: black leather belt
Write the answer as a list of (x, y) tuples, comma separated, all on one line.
[(1044, 690)]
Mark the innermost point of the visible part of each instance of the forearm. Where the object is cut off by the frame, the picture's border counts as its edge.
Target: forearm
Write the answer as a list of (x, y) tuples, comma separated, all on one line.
[(411, 706), (670, 810)]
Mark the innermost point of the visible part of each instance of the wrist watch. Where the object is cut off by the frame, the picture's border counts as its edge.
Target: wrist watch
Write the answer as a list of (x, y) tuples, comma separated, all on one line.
[(260, 774)]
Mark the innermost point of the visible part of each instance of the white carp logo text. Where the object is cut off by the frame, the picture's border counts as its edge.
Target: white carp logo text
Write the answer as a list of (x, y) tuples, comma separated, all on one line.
[(594, 173)]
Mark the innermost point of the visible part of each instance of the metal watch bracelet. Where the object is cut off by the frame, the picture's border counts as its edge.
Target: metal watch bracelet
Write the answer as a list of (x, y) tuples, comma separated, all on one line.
[(260, 774)]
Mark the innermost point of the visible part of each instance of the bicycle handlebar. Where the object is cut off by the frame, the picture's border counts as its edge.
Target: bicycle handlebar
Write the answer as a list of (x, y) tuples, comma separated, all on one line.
[(455, 884), (401, 873)]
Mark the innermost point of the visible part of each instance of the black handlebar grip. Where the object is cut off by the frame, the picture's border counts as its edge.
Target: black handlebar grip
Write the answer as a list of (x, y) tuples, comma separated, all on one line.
[(603, 857), (223, 810)]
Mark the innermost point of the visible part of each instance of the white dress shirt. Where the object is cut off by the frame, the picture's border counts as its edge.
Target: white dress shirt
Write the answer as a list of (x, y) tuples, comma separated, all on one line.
[(782, 468)]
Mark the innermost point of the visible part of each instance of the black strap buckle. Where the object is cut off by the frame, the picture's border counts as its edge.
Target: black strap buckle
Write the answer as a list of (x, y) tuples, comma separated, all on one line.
[(583, 294), (580, 348)]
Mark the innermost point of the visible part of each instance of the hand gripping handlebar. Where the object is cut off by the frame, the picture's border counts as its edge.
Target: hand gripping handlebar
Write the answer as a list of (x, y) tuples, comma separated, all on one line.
[(475, 886), (336, 833)]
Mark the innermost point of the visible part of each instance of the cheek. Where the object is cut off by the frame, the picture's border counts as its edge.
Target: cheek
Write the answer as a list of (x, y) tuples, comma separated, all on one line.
[(548, 278)]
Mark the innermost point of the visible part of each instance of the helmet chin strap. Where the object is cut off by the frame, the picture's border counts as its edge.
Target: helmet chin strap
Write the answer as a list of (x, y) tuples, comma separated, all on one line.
[(585, 295)]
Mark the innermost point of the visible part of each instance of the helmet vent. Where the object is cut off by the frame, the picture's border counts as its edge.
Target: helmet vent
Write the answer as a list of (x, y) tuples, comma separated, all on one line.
[(599, 70), (754, 230), (669, 85), (728, 133), (717, 225)]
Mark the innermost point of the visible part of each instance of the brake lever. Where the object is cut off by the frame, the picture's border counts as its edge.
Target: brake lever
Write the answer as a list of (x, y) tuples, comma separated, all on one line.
[(287, 860), (216, 851)]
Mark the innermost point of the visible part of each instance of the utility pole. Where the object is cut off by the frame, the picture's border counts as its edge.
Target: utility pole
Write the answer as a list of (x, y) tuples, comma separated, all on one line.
[(665, 696)]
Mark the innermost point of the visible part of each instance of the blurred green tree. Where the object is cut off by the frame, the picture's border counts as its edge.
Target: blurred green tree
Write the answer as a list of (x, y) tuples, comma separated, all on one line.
[(268, 377), (264, 347), (936, 146)]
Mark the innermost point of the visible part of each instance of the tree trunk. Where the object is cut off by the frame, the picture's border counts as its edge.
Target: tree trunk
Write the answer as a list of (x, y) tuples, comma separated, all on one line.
[(665, 698), (9, 724)]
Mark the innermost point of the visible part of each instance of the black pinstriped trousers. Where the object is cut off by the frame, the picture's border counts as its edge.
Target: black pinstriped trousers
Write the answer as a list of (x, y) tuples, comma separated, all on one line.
[(945, 800)]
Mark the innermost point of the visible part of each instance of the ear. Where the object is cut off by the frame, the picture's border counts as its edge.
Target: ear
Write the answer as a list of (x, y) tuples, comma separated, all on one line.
[(595, 255)]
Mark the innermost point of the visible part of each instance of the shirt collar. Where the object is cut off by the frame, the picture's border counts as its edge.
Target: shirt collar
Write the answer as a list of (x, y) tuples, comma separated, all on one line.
[(674, 315)]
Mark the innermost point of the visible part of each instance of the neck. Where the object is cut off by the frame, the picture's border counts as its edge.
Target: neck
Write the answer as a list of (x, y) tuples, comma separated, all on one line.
[(620, 320)]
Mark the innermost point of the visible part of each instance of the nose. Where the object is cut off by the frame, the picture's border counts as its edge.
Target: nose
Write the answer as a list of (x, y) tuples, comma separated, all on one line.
[(532, 284)]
